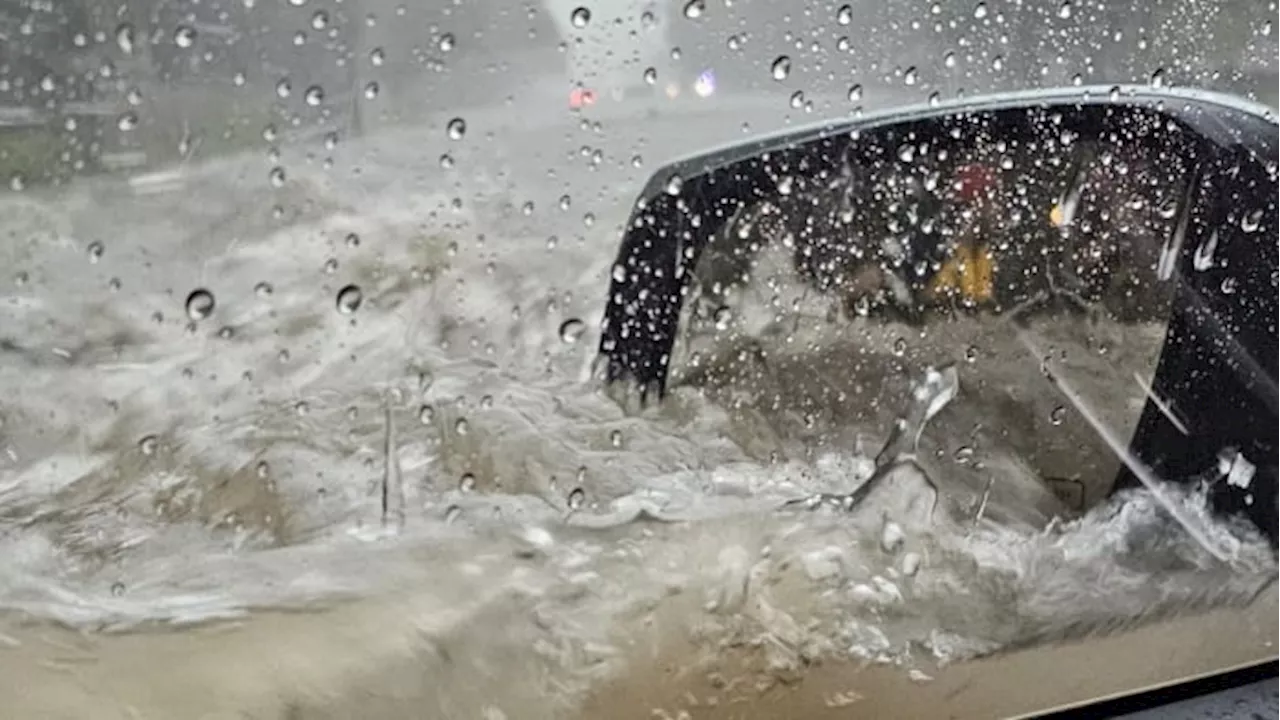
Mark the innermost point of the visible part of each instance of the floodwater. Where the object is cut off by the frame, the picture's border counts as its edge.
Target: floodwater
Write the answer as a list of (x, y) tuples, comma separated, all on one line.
[(352, 395)]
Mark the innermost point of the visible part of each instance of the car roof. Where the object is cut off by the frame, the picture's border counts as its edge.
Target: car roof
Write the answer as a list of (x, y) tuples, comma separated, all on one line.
[(1188, 104)]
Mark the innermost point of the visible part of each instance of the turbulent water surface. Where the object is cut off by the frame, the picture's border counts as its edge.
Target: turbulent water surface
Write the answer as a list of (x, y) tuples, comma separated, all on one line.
[(225, 390)]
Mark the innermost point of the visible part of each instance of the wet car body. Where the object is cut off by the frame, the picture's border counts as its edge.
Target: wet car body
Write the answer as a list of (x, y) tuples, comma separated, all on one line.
[(1219, 355)]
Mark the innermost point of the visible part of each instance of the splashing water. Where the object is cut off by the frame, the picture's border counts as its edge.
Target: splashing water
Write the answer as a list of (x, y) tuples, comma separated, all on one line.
[(425, 441)]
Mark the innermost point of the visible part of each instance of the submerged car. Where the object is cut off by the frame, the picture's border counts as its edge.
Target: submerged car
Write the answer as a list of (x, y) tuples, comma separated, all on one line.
[(1141, 205), (1111, 232)]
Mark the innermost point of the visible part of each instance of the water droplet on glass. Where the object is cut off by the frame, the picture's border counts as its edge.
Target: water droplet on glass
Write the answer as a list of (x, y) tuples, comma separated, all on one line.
[(349, 299), (910, 564), (426, 414), (949, 60), (125, 38), (565, 202), (320, 20), (980, 11), (127, 121), (781, 67), (722, 317), (891, 537), (1251, 221), (371, 91), (694, 9), (457, 129), (467, 483), (446, 161), (844, 15), (184, 36), (1158, 78), (377, 57), (148, 445), (284, 88), (797, 100), (263, 289), (571, 330), (1203, 258), (910, 76), (445, 43), (276, 177), (855, 93), (650, 75), (95, 250), (1057, 415), (1064, 10), (615, 438), (580, 17), (200, 304), (117, 589), (451, 514), (1229, 286), (461, 426), (577, 498), (314, 95), (675, 184)]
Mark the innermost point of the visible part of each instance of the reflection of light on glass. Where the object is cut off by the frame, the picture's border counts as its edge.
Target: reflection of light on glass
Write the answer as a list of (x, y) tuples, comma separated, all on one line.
[(706, 84), (579, 98), (672, 90)]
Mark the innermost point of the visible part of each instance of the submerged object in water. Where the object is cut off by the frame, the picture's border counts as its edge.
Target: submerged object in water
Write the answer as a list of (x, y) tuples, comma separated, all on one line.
[(1210, 194)]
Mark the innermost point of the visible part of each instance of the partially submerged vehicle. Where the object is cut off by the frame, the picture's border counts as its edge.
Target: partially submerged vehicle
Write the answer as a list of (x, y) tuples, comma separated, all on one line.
[(50, 120), (1109, 231)]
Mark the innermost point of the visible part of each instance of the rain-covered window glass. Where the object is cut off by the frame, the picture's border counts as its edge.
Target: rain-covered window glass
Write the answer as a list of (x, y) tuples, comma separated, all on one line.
[(632, 358)]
